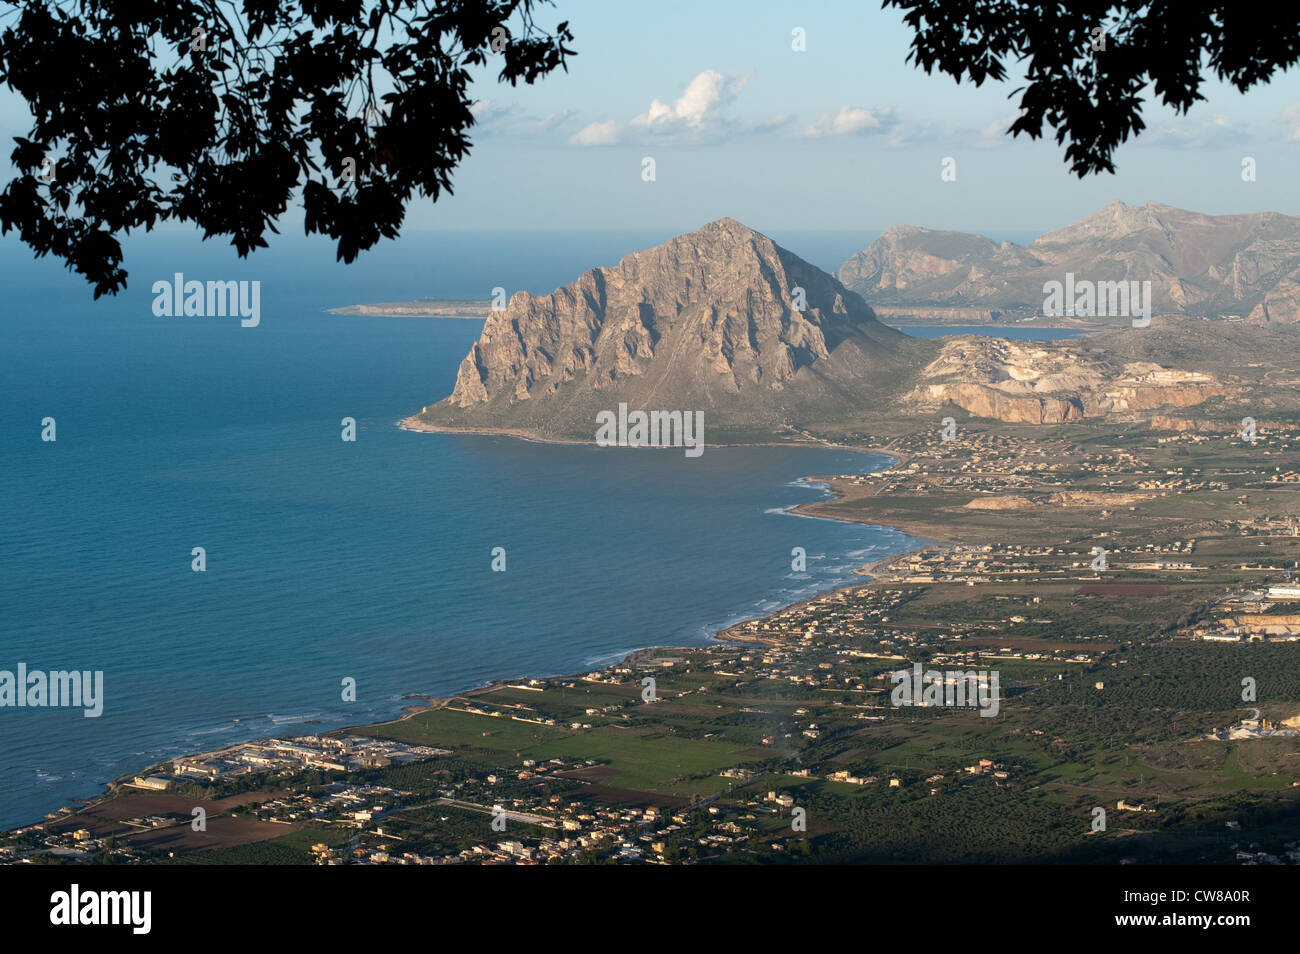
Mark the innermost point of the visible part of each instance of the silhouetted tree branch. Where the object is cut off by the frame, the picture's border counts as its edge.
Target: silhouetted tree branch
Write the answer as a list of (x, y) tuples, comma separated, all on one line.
[(217, 112), (1089, 63)]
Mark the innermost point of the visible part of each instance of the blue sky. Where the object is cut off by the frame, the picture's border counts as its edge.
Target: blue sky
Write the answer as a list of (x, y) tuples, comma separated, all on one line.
[(845, 135)]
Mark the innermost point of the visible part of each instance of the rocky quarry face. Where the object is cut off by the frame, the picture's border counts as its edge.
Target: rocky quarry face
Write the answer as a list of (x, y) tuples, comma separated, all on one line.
[(1039, 383)]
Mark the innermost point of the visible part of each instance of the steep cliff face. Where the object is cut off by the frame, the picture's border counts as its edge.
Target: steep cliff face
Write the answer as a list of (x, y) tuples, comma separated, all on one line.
[(720, 320), (1281, 303), (1246, 265), (911, 263)]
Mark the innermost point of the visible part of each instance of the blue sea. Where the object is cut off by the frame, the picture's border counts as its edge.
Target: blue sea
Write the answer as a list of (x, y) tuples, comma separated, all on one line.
[(326, 559)]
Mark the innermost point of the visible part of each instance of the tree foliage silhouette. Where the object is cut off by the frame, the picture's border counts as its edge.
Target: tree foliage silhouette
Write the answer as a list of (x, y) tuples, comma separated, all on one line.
[(217, 112), (1089, 63)]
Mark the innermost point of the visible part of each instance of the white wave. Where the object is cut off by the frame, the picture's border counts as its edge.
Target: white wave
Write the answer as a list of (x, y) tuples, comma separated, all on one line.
[(197, 732), (605, 659), (281, 720)]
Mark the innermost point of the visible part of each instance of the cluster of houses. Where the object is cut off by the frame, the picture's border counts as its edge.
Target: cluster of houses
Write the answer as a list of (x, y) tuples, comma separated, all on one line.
[(1256, 727), (1254, 854), (1253, 615), (287, 757)]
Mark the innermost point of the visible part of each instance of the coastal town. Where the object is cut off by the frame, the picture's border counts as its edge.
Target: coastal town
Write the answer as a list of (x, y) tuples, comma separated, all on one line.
[(785, 739)]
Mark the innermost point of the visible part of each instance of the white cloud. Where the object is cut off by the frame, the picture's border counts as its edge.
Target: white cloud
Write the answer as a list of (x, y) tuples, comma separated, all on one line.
[(554, 120), (699, 106), (850, 121), (693, 116), (771, 125), (597, 134), (488, 113), (510, 119), (1217, 131), (1291, 118), (995, 133)]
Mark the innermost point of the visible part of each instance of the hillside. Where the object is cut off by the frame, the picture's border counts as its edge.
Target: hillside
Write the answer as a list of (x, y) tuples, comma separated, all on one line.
[(1246, 266)]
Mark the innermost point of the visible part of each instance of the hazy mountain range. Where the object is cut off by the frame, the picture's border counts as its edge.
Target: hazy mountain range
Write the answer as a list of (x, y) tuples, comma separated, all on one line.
[(1198, 265)]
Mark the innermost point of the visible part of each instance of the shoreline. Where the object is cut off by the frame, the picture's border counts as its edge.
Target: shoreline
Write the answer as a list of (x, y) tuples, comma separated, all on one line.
[(724, 634), (469, 309), (416, 426)]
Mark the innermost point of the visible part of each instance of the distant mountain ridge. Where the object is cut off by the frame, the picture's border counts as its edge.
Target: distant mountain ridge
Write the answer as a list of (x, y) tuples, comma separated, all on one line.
[(1245, 265)]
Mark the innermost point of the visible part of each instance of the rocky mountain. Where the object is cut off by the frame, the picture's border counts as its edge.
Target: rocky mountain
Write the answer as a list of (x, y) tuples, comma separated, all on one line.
[(1200, 265), (721, 320), (725, 322)]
